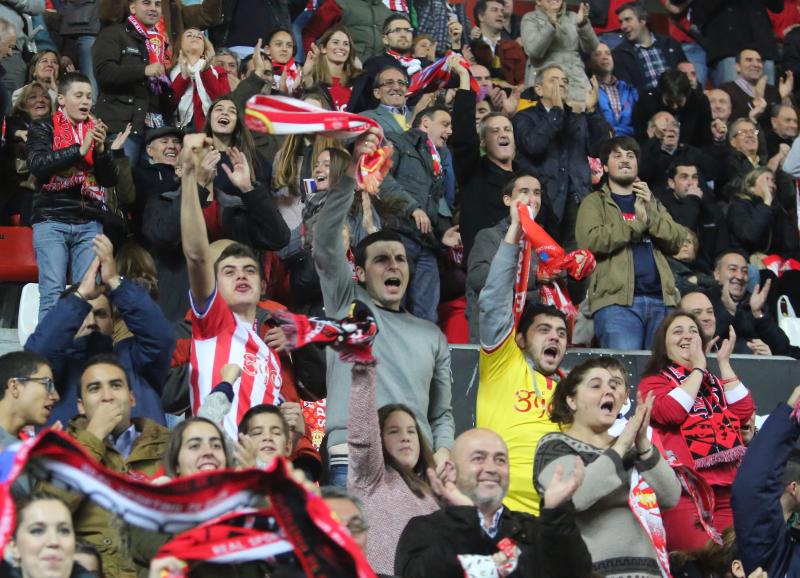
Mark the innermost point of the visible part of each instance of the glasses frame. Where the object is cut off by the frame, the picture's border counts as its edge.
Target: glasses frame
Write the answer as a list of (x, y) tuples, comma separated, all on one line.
[(47, 382)]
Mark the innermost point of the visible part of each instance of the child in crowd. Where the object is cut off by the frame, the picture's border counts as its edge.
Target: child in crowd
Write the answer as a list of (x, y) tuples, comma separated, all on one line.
[(68, 156)]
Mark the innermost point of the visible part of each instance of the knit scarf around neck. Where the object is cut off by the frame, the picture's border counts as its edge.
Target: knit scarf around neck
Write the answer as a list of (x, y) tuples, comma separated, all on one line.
[(711, 431), (186, 104), (292, 74), (412, 65), (65, 135), (156, 44)]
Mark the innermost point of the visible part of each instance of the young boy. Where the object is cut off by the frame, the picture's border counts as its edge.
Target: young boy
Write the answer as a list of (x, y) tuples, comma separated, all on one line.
[(68, 156)]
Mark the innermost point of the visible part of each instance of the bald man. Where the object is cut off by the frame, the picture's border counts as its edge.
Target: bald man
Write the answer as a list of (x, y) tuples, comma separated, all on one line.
[(700, 305), (475, 521)]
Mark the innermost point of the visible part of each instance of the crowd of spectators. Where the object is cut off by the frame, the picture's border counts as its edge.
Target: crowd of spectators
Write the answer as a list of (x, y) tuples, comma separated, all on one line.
[(566, 176)]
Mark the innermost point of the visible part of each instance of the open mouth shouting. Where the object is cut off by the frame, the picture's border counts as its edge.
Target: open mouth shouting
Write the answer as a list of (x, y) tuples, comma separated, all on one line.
[(243, 287), (224, 123), (550, 354), (607, 408)]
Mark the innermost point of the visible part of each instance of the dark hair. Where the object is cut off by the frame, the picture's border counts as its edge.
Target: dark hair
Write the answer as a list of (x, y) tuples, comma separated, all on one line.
[(391, 18), (241, 138), (724, 253), (560, 412), (659, 360), (791, 472), (70, 78), (747, 47), (710, 560), (428, 112), (377, 82), (275, 31), (175, 443), (258, 410), (84, 547), (508, 188), (681, 162), (37, 57), (674, 84), (24, 502), (480, 9), (638, 9), (360, 251), (532, 311), (622, 143), (416, 478), (18, 364), (103, 359), (238, 250)]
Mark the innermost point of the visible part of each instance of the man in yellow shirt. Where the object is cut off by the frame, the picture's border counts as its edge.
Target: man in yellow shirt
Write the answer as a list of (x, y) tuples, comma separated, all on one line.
[(518, 365)]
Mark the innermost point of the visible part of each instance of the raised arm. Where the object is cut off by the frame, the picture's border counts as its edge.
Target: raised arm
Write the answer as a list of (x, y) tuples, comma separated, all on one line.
[(194, 236), (363, 430)]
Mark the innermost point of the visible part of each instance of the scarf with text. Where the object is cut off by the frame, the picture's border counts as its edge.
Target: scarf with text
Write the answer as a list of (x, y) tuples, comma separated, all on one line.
[(322, 547), (292, 72), (711, 430), (553, 260), (436, 76), (409, 63), (644, 505), (352, 336), (65, 135), (281, 115), (156, 43)]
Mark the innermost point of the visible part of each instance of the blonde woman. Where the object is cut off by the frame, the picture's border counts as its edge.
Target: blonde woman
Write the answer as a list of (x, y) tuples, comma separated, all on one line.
[(195, 83)]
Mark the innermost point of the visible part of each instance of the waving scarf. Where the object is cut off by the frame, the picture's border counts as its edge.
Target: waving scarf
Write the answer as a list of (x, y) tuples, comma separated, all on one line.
[(292, 74), (409, 63), (436, 76), (156, 43), (552, 261), (301, 520), (282, 115), (186, 104), (65, 135)]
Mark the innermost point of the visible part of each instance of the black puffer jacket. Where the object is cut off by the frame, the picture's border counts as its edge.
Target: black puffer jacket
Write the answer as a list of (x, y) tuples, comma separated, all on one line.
[(67, 205), (120, 57)]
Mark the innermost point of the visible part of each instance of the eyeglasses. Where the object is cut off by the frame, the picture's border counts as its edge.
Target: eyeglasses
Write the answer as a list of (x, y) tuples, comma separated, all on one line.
[(47, 382), (357, 526), (398, 30), (747, 131), (401, 83)]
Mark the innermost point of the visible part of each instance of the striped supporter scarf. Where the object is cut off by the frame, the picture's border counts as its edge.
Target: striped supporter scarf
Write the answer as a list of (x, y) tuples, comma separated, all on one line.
[(281, 115), (213, 510), (436, 76)]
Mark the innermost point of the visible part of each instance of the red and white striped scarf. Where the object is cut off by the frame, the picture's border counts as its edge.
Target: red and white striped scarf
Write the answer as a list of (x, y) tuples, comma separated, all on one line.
[(433, 77), (409, 63), (282, 115), (292, 72), (156, 43)]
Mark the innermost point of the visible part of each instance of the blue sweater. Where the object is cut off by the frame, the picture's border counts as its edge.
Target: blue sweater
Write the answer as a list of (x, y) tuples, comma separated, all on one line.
[(145, 357), (628, 95), (762, 535)]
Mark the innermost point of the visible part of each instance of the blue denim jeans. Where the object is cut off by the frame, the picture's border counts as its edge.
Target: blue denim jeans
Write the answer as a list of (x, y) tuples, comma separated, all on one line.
[(422, 296), (60, 247), (337, 475), (83, 48), (725, 71), (622, 327), (297, 31), (697, 56)]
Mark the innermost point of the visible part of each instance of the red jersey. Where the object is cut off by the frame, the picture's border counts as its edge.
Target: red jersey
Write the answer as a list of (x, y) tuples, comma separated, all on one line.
[(219, 337)]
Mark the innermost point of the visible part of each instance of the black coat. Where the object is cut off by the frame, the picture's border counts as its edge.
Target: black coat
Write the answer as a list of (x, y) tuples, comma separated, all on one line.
[(120, 58), (695, 117), (628, 68), (551, 544), (729, 26), (251, 219), (67, 205), (554, 144)]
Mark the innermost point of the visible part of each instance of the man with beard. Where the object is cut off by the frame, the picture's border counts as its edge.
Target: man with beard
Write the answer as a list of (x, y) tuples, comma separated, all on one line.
[(746, 312), (627, 228), (518, 365), (82, 325), (469, 531)]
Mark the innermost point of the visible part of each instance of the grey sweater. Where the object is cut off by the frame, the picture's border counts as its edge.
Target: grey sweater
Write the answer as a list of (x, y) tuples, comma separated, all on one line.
[(414, 361)]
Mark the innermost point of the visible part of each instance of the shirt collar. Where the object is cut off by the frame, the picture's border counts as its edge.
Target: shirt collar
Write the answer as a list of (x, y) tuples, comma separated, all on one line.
[(401, 110), (124, 442), (494, 528)]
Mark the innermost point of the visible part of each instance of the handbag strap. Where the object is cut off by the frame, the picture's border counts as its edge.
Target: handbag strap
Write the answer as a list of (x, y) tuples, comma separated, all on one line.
[(785, 308)]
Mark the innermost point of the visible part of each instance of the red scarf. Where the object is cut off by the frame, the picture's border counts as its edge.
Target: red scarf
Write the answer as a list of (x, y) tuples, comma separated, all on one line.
[(436, 158), (65, 135), (433, 77), (292, 74), (409, 63), (156, 43), (711, 431), (282, 115), (553, 260)]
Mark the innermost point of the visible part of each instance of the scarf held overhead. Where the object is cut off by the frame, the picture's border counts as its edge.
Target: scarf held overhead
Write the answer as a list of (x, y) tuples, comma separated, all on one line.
[(322, 547), (436, 76), (281, 115)]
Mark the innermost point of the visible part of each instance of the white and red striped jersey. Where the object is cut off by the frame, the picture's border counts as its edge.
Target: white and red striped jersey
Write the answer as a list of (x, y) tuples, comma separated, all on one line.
[(219, 337)]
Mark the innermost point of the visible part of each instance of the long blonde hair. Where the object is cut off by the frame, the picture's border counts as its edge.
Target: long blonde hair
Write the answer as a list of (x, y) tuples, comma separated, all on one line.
[(322, 72)]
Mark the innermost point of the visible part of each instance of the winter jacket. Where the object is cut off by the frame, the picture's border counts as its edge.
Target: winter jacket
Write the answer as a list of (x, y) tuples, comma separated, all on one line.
[(18, 13), (729, 26), (251, 218), (67, 205), (628, 95), (602, 229), (93, 522), (363, 19), (551, 544), (245, 21), (145, 356), (694, 116), (120, 58), (750, 224), (747, 327), (762, 536), (561, 44), (79, 17), (627, 66), (555, 145), (177, 15)]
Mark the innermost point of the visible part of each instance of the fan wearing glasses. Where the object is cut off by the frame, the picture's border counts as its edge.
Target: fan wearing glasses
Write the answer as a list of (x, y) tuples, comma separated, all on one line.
[(27, 393)]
